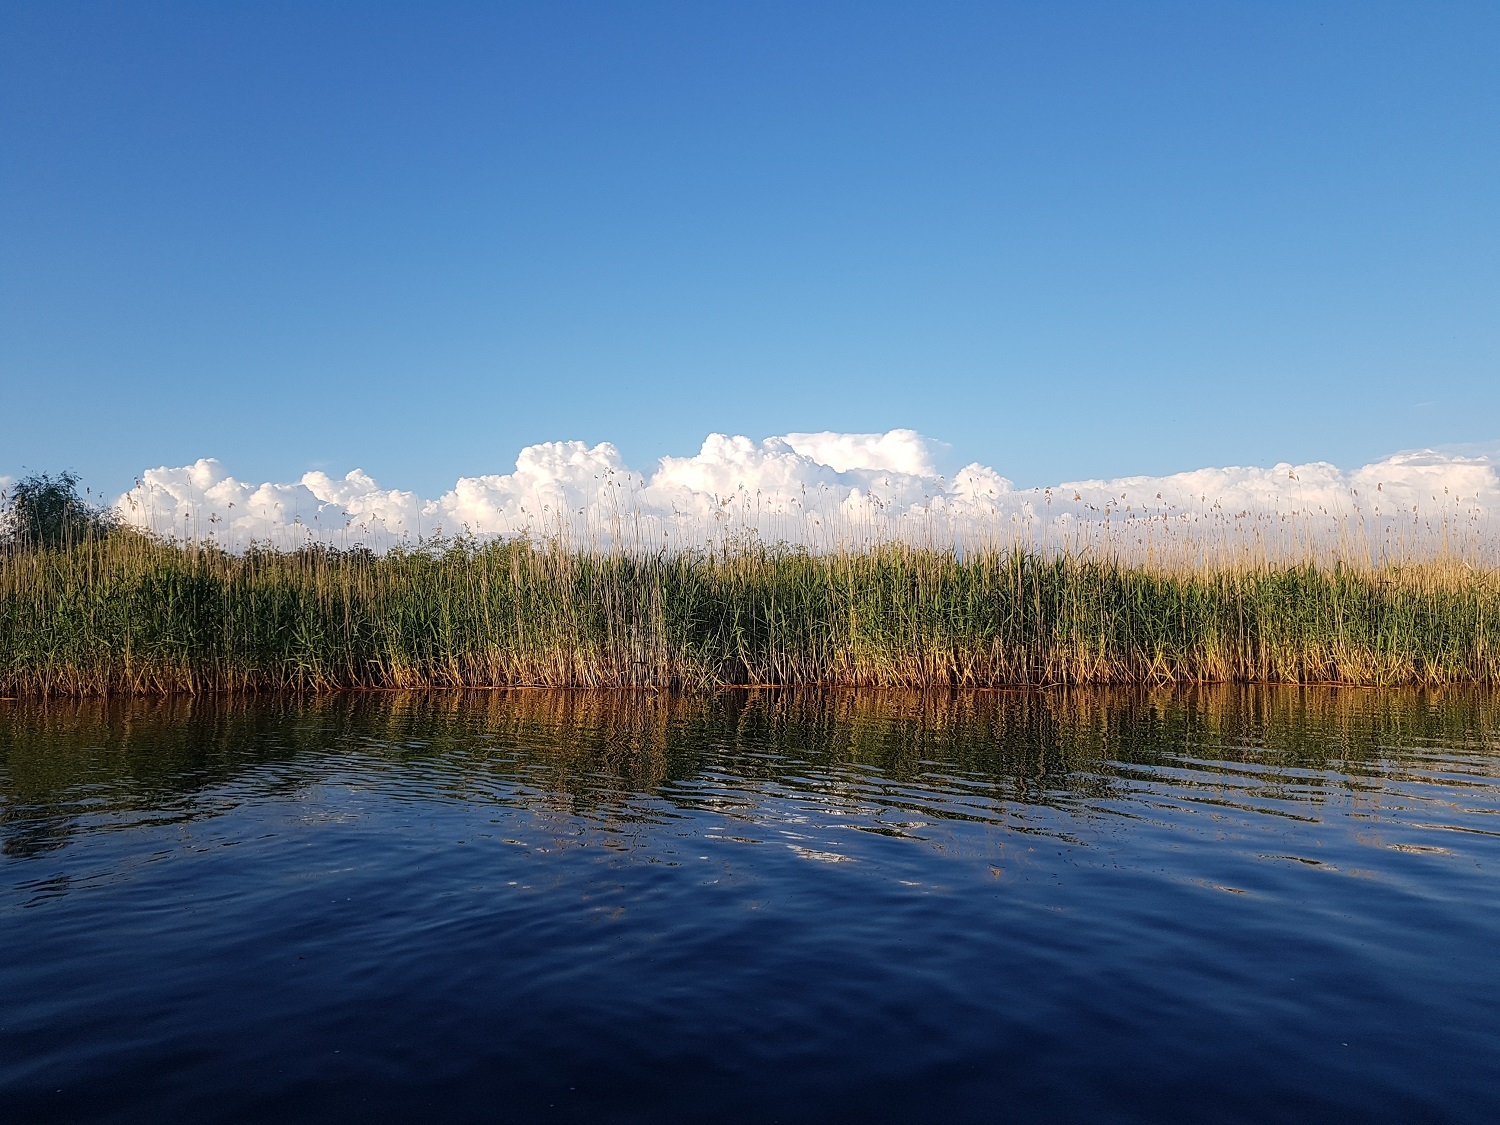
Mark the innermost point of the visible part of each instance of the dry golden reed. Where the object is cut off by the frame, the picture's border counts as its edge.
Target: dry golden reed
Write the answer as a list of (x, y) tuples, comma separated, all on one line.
[(128, 613)]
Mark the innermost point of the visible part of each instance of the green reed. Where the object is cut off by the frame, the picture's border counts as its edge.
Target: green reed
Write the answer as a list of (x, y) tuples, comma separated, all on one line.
[(127, 613)]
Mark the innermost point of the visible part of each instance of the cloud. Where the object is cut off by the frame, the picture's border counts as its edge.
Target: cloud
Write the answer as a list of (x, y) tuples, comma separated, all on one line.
[(830, 489), (899, 451)]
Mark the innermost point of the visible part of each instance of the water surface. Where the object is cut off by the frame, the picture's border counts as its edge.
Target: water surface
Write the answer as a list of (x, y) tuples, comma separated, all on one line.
[(1230, 905)]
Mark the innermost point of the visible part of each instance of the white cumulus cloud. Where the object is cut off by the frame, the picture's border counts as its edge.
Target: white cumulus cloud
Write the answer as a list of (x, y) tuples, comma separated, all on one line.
[(825, 490)]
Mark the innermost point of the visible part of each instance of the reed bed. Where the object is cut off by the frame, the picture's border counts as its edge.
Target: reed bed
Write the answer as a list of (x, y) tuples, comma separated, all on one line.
[(132, 614)]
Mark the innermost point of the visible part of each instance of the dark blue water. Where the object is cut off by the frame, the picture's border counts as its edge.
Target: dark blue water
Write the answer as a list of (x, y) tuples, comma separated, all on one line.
[(1242, 905)]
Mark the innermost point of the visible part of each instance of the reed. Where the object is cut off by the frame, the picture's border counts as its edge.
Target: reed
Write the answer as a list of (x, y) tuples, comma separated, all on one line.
[(129, 613)]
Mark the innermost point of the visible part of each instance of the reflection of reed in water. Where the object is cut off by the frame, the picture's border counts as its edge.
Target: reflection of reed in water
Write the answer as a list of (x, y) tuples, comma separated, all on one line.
[(600, 755)]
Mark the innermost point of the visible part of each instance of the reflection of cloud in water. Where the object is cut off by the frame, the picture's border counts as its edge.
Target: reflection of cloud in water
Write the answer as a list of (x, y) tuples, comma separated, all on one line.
[(821, 857)]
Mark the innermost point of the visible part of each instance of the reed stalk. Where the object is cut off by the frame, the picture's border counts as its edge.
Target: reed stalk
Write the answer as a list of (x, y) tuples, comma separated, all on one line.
[(132, 614)]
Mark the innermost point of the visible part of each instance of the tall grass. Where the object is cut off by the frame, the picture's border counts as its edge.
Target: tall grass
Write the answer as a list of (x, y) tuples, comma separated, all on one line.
[(131, 614)]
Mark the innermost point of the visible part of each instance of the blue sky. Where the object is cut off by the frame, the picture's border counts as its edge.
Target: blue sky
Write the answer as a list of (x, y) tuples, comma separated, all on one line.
[(1069, 239)]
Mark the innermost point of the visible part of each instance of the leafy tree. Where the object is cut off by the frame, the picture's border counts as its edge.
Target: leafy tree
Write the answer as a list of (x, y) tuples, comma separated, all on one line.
[(45, 511)]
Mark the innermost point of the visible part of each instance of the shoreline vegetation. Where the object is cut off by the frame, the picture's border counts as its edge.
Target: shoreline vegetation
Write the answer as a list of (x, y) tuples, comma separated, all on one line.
[(114, 611), (90, 607)]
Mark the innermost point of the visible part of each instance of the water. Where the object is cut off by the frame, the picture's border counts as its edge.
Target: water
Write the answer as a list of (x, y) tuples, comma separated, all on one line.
[(1238, 905)]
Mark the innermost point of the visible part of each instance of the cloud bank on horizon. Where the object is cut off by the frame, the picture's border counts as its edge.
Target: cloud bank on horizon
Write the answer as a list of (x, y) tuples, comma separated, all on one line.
[(824, 490)]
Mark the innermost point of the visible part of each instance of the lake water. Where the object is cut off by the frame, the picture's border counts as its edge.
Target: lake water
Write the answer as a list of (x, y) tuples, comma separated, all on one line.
[(1228, 905)]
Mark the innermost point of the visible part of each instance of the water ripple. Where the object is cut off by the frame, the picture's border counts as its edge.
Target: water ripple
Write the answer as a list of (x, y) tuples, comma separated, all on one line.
[(1249, 904)]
